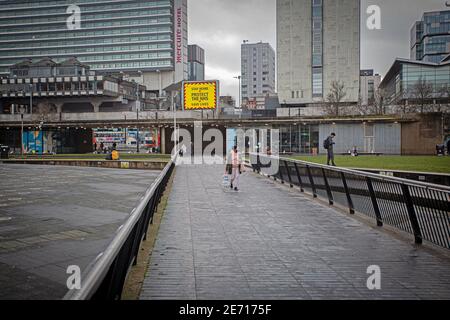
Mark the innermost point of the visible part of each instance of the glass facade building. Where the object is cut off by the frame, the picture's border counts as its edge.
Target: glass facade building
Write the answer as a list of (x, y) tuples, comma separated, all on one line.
[(112, 36), (400, 83), (430, 38)]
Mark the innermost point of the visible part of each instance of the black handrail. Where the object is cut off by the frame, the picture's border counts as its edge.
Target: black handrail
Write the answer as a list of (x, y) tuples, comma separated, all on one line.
[(105, 277), (419, 208)]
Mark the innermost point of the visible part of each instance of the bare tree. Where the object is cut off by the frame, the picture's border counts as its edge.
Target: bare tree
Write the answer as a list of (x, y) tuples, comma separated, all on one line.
[(421, 92), (360, 108), (379, 101), (335, 97), (44, 110)]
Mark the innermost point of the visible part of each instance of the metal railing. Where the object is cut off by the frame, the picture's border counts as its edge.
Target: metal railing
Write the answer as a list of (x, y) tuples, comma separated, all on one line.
[(418, 208), (105, 277)]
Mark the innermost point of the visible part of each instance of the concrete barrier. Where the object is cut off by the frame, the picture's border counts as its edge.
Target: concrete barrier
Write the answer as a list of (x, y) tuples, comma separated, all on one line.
[(136, 165)]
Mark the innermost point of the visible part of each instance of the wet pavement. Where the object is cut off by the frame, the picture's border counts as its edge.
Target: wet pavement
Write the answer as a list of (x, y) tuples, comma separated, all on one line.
[(54, 217)]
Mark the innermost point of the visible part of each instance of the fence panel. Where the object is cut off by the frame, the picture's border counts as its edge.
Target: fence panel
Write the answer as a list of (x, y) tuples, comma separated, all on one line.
[(418, 208)]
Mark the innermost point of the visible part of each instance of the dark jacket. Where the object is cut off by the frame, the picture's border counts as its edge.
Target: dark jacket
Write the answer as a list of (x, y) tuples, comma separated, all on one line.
[(330, 143)]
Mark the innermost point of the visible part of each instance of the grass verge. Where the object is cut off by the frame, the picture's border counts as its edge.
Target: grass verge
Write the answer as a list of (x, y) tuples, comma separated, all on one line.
[(404, 163), (133, 284)]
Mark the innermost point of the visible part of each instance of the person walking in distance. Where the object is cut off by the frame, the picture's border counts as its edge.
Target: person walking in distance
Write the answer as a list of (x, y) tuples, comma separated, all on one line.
[(234, 167), (328, 145)]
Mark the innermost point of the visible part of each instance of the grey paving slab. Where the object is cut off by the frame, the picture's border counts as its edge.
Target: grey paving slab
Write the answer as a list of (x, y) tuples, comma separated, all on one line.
[(54, 217), (269, 242)]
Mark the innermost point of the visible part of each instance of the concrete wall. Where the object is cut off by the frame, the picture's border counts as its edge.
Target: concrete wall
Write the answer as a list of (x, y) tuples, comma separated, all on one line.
[(168, 144), (105, 116), (294, 50), (421, 137), (341, 46)]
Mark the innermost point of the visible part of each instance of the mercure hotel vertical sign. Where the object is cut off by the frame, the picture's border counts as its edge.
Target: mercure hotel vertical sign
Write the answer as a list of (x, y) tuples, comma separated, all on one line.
[(180, 39), (179, 35)]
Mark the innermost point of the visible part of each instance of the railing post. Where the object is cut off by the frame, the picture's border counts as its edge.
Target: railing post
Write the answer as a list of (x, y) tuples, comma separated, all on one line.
[(412, 214), (299, 177), (258, 163), (373, 197), (151, 211), (289, 173), (281, 174), (311, 181), (327, 186), (351, 207), (253, 163)]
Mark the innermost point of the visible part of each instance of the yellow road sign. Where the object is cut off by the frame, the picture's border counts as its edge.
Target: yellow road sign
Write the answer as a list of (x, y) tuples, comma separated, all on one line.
[(200, 95)]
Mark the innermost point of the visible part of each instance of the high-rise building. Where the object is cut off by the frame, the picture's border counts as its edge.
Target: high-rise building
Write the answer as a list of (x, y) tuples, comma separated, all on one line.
[(146, 39), (430, 39), (257, 69), (369, 86), (196, 61), (318, 43)]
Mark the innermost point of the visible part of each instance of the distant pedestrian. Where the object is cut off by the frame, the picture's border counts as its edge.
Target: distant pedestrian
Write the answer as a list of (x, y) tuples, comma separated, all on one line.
[(328, 144), (448, 147), (102, 147), (234, 168)]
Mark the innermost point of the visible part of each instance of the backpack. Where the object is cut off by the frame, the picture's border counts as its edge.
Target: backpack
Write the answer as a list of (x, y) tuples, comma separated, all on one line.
[(326, 143)]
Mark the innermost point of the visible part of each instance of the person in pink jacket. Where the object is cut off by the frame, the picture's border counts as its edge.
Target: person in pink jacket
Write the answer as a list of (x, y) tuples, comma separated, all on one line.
[(234, 168)]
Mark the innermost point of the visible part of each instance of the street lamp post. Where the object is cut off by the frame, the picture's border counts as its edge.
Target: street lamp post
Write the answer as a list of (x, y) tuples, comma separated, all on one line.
[(239, 78), (138, 105), (175, 131), (22, 111), (137, 118)]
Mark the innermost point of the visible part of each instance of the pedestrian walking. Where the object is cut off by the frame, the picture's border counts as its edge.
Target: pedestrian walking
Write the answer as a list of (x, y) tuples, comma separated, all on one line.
[(328, 144), (234, 168)]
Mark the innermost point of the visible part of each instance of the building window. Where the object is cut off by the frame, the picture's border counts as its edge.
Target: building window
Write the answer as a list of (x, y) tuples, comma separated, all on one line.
[(317, 48), (317, 81)]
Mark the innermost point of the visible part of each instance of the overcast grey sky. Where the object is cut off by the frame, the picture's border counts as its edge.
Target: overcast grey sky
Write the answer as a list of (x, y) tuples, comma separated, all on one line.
[(219, 26)]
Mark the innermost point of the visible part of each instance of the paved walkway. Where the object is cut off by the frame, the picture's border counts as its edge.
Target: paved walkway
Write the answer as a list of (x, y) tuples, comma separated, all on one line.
[(52, 217), (266, 242)]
